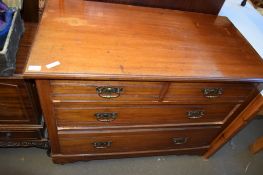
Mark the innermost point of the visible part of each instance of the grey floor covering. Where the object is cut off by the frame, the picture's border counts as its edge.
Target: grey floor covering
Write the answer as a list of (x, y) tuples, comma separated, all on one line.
[(233, 159)]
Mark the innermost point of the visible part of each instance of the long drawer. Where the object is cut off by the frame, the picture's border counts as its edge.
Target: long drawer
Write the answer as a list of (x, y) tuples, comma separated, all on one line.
[(72, 114), (138, 92), (81, 142)]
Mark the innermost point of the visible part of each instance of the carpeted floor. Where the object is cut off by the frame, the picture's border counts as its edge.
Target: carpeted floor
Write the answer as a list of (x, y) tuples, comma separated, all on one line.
[(233, 159)]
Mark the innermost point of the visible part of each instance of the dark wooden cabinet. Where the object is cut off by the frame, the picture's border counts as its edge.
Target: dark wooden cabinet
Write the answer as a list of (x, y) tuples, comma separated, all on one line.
[(21, 122), (21, 119)]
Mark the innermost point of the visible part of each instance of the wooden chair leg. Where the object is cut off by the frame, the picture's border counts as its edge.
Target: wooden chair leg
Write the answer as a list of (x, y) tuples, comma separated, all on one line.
[(257, 146)]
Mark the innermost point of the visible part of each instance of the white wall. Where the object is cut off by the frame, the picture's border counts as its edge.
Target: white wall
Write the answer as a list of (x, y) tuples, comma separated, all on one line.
[(247, 20)]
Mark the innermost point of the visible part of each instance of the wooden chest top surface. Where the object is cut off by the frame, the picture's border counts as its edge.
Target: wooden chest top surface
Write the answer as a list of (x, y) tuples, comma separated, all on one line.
[(112, 41)]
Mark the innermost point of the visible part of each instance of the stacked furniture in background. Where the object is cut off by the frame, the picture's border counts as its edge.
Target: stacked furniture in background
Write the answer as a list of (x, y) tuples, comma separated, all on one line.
[(21, 122)]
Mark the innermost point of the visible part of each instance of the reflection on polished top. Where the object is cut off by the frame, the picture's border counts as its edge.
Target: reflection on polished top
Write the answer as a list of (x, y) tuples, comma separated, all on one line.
[(102, 41)]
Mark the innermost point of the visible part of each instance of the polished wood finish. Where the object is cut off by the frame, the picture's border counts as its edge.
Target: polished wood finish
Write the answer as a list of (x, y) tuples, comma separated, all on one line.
[(151, 67), (243, 118), (203, 6), (193, 92), (65, 90), (138, 140), (68, 116), (44, 91), (16, 105), (257, 146), (71, 115), (24, 47), (111, 41)]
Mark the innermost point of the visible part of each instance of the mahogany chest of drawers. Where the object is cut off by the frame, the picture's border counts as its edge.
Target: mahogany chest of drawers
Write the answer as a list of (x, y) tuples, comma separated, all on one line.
[(108, 119), (135, 81)]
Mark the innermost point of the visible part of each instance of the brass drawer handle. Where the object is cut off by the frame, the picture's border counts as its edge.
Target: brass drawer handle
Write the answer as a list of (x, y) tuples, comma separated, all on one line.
[(180, 140), (106, 116), (195, 114), (212, 92), (102, 145), (109, 92)]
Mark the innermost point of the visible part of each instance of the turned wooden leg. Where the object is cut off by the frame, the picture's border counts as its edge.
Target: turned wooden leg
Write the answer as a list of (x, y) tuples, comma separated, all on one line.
[(257, 146)]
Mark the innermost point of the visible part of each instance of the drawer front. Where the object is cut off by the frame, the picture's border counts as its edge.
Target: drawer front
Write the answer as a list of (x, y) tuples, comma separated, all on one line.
[(138, 92), (92, 116), (110, 142), (105, 91), (208, 92), (19, 135)]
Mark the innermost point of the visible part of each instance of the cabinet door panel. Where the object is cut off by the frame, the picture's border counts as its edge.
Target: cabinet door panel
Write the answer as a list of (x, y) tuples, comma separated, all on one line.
[(17, 102)]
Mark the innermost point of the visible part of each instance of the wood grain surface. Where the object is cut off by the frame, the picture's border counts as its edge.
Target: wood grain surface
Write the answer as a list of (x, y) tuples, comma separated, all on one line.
[(18, 103), (95, 40), (71, 115), (24, 47), (135, 140)]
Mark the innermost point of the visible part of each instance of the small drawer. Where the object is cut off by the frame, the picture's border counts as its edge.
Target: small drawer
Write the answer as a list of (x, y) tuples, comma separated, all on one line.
[(105, 91), (208, 92), (130, 141), (71, 114), (19, 135)]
